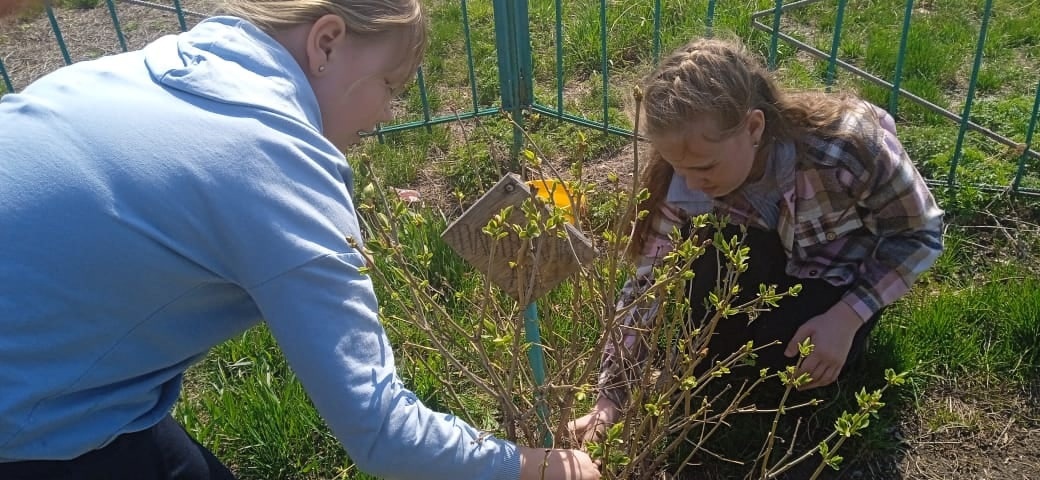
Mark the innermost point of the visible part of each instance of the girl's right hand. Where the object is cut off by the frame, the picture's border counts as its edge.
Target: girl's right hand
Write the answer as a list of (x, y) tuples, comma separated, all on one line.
[(594, 425), (556, 464)]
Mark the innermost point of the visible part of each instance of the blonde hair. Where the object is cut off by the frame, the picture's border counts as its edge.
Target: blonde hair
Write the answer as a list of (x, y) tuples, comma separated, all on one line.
[(364, 17), (719, 78)]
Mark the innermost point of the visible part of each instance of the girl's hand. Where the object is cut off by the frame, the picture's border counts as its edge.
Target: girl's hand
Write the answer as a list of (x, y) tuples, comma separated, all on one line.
[(556, 464), (594, 425), (832, 334)]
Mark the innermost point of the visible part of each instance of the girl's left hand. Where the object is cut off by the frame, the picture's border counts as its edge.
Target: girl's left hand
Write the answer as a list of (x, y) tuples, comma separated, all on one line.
[(832, 334)]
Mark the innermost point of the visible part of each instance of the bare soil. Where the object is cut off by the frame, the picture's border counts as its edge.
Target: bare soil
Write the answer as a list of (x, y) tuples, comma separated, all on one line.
[(953, 432), (29, 48), (980, 433)]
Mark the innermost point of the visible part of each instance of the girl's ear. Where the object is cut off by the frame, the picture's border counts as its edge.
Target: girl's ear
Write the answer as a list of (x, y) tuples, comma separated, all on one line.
[(325, 34), (756, 124)]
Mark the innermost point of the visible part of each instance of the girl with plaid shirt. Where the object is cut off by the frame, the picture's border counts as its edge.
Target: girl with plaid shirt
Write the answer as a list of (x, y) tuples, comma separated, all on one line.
[(828, 196)]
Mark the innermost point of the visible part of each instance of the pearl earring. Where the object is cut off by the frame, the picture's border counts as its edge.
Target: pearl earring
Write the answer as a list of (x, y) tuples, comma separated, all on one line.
[(321, 68)]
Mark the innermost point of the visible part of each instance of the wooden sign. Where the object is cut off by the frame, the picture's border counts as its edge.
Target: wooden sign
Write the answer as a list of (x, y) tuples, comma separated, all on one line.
[(512, 264)]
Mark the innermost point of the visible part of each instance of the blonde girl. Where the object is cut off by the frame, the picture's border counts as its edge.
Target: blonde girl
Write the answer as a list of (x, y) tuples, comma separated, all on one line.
[(829, 198)]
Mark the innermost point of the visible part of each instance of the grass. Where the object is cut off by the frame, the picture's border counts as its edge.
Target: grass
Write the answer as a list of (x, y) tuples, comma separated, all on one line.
[(971, 324), (981, 322), (984, 329), (247, 405), (404, 156), (940, 71), (935, 71)]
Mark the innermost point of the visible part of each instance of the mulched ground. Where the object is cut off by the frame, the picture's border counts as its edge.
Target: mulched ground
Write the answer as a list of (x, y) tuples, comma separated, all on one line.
[(29, 48)]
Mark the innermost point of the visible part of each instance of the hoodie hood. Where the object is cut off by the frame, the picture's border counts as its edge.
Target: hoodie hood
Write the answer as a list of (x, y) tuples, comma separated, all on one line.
[(229, 60)]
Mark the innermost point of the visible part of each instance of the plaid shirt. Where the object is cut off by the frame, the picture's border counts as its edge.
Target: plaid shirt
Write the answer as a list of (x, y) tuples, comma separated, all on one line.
[(868, 223)]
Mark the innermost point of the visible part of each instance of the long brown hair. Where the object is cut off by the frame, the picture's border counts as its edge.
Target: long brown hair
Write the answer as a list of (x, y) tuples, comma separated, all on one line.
[(720, 78)]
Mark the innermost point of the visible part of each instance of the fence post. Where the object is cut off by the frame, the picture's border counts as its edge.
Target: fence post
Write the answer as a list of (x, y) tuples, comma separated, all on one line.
[(1029, 142), (115, 22), (513, 45), (774, 39), (893, 101), (7, 78), (951, 180), (835, 43), (58, 36)]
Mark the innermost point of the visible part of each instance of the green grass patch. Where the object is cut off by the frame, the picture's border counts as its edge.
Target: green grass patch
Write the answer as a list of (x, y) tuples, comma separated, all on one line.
[(983, 327), (400, 157), (245, 404)]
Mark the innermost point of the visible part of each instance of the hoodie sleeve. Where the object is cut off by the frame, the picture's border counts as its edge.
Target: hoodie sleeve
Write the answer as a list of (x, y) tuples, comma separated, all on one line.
[(286, 228), (323, 314)]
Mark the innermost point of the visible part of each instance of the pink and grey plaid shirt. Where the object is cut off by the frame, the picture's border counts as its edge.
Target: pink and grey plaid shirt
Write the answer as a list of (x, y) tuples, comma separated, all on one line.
[(869, 223)]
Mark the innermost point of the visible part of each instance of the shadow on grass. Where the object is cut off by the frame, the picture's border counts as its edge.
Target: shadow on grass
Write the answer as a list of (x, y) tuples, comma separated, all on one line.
[(876, 454)]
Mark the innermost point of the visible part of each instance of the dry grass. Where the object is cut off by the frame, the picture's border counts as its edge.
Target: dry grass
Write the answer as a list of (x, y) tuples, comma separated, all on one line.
[(985, 433)]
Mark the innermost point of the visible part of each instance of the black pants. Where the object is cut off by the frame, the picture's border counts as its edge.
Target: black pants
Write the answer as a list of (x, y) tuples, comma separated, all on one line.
[(766, 266), (163, 452)]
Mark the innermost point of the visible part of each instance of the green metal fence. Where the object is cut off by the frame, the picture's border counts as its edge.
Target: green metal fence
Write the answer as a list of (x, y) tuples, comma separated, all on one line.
[(516, 76), (963, 119)]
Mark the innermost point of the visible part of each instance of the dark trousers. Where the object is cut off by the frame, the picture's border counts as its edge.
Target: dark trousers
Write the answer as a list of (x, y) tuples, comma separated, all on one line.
[(766, 266), (163, 452)]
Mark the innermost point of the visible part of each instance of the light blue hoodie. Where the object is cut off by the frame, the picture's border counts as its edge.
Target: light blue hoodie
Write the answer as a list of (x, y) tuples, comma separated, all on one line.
[(156, 203)]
